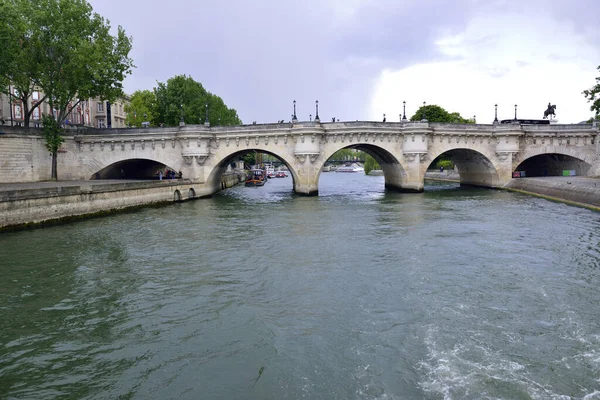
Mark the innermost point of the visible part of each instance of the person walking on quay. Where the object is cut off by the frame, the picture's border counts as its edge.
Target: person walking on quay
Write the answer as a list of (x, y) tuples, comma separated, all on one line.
[(160, 175)]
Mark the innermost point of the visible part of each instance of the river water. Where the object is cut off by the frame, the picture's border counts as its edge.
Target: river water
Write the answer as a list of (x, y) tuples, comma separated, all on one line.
[(258, 293)]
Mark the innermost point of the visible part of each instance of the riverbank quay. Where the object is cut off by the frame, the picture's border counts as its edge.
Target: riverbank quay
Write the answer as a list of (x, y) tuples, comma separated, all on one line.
[(575, 190), (579, 191), (34, 203)]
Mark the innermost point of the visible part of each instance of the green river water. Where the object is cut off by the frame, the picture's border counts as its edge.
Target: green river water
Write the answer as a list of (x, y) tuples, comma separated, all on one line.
[(256, 293)]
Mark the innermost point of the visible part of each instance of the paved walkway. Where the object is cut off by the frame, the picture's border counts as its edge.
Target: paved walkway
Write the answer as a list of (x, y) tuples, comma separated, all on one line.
[(5, 187)]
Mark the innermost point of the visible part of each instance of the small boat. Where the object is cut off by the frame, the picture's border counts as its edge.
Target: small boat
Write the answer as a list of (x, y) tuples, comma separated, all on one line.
[(280, 174), (256, 177), (270, 171), (350, 168)]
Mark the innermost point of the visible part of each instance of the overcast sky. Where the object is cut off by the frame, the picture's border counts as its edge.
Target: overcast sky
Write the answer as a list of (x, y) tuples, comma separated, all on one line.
[(363, 58)]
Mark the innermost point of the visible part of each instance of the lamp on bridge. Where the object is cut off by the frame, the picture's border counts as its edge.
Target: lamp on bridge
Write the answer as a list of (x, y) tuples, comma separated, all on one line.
[(495, 113), (317, 111), (515, 112), (424, 115), (404, 111), (206, 121), (294, 118), (181, 121), (310, 117)]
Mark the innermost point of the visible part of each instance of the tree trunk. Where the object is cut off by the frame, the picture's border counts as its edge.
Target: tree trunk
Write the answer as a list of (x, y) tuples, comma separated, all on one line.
[(26, 114), (54, 173)]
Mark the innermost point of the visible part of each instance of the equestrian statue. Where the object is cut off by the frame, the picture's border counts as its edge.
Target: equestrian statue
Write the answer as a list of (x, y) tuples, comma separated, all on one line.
[(550, 111)]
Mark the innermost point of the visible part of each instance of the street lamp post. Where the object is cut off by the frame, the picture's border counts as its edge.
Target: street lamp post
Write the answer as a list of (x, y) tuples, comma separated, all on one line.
[(181, 121), (317, 119), (404, 111), (495, 113), (515, 112), (206, 121), (424, 115), (294, 118), (310, 117)]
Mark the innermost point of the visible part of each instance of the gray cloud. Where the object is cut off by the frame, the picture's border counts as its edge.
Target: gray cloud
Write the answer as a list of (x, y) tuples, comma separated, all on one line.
[(259, 56)]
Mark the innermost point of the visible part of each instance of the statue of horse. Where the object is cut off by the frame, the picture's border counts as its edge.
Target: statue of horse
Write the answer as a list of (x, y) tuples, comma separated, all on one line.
[(550, 111)]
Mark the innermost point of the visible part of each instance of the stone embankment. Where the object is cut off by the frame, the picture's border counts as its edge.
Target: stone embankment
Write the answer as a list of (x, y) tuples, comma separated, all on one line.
[(25, 204), (580, 191), (576, 190)]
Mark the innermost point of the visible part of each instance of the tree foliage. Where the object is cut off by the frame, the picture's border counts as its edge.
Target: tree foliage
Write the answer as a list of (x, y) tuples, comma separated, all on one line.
[(141, 108), (181, 96), (348, 155), (54, 139), (370, 164), (63, 48), (18, 65), (593, 95), (433, 113)]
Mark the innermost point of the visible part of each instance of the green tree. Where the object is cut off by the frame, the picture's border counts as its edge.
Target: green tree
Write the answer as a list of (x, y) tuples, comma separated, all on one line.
[(370, 164), (141, 108), (19, 67), (64, 49), (79, 57), (54, 139), (435, 113), (183, 96), (348, 154), (593, 95)]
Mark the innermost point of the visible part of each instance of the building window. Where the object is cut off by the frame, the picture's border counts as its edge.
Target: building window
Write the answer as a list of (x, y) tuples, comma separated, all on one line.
[(36, 114), (35, 95), (17, 111), (101, 123), (100, 106)]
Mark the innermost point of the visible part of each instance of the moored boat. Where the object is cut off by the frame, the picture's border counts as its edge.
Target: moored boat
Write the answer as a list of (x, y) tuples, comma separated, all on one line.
[(256, 177), (350, 168)]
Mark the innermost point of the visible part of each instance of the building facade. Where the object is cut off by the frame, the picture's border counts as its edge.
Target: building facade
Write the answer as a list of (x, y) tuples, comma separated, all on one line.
[(92, 113)]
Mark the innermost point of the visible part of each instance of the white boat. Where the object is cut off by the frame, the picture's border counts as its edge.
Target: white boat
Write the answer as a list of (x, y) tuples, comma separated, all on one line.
[(350, 168), (270, 170)]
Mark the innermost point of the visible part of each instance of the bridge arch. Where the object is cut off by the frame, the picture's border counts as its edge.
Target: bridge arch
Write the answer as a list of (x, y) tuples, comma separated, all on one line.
[(132, 168), (475, 167), (394, 171), (552, 160), (225, 159)]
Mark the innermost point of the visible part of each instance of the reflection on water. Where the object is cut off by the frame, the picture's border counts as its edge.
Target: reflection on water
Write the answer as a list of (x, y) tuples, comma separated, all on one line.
[(357, 293)]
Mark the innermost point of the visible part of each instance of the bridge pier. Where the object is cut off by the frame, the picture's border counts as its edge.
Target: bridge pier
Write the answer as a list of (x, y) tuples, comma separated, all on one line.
[(412, 181), (306, 177)]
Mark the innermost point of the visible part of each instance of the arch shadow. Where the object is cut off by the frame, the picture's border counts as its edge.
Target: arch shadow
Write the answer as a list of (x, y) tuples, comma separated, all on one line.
[(225, 164), (553, 164), (134, 168), (473, 167)]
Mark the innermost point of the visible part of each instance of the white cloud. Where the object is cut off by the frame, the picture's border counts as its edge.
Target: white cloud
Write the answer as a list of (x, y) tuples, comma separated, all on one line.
[(508, 60)]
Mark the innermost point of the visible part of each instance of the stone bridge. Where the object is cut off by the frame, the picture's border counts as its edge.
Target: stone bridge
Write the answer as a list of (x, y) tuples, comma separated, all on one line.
[(485, 155)]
